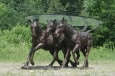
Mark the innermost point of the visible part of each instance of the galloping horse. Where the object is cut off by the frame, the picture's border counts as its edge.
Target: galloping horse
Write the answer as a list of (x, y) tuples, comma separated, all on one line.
[(41, 40), (79, 40), (61, 41)]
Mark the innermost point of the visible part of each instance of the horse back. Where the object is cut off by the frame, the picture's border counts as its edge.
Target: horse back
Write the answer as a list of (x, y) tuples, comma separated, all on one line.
[(85, 38)]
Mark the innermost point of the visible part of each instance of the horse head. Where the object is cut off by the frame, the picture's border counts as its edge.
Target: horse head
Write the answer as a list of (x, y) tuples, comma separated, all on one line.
[(51, 25), (60, 27), (34, 27)]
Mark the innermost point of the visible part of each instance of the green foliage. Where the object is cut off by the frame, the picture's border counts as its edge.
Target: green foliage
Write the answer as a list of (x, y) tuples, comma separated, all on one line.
[(16, 35), (8, 16), (55, 6), (105, 11), (13, 13), (15, 43), (73, 5)]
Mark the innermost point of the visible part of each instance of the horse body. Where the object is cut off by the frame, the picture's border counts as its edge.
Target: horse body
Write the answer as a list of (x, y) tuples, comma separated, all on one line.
[(79, 40), (85, 37), (61, 41), (48, 43), (41, 40)]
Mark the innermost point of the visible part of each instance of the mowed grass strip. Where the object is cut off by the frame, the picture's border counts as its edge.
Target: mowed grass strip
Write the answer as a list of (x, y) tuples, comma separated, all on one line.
[(98, 69)]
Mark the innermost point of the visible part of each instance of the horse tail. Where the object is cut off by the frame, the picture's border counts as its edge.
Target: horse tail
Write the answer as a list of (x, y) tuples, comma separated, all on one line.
[(93, 30), (84, 29)]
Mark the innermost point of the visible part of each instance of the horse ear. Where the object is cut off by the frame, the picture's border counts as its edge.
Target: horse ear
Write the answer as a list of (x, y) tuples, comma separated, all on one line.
[(63, 19), (29, 21), (36, 20), (55, 21)]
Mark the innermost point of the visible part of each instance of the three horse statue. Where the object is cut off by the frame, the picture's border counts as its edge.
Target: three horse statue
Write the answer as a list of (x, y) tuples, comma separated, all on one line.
[(59, 35)]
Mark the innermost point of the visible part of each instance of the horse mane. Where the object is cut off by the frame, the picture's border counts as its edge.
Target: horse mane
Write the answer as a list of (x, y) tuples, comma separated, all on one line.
[(70, 26), (39, 30), (65, 22)]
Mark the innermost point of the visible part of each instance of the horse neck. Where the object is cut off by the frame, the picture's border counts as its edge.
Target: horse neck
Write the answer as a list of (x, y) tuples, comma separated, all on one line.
[(39, 31), (69, 32), (53, 30)]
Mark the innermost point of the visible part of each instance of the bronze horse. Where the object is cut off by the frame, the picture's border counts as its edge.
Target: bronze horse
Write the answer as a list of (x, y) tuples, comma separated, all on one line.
[(41, 40), (61, 40), (79, 40)]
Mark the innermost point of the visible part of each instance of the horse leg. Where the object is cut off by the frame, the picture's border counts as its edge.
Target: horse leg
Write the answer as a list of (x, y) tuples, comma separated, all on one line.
[(86, 57), (68, 60), (66, 57), (78, 55), (56, 57), (64, 53), (27, 63), (74, 51), (51, 52), (28, 59), (84, 53), (87, 53), (33, 51)]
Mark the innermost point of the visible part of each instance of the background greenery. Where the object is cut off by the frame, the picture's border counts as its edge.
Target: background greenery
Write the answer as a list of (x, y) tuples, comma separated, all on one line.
[(15, 36)]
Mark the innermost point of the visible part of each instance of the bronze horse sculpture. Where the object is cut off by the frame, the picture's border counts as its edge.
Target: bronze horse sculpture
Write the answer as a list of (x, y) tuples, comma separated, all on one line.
[(41, 40), (61, 40), (78, 40)]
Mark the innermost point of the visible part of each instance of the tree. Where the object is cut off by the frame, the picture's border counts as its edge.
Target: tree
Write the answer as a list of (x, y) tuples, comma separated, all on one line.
[(73, 6), (55, 7), (8, 17), (105, 11)]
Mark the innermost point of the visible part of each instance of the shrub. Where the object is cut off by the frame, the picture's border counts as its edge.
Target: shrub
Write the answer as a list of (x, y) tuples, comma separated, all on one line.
[(16, 35)]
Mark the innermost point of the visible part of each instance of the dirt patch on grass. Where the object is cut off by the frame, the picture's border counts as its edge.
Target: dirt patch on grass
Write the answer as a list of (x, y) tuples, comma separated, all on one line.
[(98, 69)]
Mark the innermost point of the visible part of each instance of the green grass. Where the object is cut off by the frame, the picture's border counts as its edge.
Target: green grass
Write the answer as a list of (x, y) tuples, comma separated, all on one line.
[(101, 54), (19, 53)]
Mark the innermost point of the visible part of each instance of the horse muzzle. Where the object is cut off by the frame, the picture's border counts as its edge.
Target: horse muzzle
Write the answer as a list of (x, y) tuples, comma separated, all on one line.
[(34, 35), (56, 34)]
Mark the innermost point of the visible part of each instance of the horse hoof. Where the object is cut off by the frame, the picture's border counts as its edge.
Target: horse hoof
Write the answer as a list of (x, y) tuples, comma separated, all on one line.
[(32, 63), (84, 66), (66, 65), (74, 65), (24, 67), (61, 63), (50, 65), (63, 66), (77, 63)]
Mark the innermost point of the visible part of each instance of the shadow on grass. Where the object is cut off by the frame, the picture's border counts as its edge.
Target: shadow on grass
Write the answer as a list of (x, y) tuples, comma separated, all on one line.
[(39, 67)]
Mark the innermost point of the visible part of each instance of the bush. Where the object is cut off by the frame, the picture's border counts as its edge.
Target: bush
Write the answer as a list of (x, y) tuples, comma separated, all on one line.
[(15, 43), (16, 35)]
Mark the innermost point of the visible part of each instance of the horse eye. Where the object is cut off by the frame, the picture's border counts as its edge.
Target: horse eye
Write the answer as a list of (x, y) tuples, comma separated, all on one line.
[(59, 26), (51, 26)]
